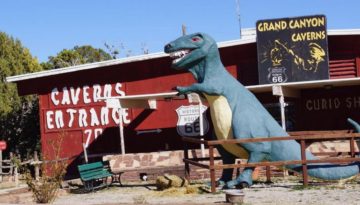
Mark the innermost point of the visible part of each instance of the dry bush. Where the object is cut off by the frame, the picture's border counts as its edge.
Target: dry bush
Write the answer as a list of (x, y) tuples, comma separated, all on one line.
[(53, 171)]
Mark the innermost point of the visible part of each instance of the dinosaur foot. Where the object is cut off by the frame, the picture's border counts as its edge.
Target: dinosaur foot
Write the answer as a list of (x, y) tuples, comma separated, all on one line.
[(218, 184), (242, 185)]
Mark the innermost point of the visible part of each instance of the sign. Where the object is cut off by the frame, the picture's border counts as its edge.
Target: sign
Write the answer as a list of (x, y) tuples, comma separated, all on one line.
[(2, 145), (292, 49), (188, 124)]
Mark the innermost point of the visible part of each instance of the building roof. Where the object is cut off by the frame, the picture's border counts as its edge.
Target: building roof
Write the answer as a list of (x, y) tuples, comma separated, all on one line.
[(249, 36)]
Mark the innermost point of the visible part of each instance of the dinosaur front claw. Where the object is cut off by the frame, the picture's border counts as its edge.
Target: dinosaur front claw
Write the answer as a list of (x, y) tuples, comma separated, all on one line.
[(181, 90)]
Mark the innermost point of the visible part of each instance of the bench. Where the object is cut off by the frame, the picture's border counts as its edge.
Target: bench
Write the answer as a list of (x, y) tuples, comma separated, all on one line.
[(94, 175)]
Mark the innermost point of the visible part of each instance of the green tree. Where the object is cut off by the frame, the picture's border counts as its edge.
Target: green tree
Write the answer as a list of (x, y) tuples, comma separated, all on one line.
[(17, 113), (76, 56)]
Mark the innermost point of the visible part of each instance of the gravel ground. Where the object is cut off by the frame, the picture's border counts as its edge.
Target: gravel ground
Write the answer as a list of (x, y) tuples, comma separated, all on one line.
[(281, 192), (277, 193)]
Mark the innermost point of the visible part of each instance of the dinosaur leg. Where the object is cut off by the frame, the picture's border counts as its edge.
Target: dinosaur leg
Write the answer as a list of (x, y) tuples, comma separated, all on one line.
[(227, 158), (245, 178)]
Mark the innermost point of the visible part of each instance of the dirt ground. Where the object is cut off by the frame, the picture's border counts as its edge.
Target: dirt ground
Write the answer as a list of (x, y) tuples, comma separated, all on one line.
[(283, 191)]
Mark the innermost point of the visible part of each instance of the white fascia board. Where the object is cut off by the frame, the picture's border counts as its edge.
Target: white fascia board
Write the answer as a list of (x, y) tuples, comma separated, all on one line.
[(306, 84), (84, 67), (145, 96), (343, 32)]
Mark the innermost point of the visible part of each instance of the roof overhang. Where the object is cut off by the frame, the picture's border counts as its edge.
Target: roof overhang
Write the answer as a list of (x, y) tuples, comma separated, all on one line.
[(293, 87), (248, 37)]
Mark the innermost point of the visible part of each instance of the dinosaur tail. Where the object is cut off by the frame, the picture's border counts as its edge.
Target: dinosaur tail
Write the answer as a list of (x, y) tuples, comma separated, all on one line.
[(291, 151), (354, 124), (331, 171)]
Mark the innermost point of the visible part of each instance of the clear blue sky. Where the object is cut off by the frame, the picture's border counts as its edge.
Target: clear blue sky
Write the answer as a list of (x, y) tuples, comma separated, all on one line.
[(48, 26)]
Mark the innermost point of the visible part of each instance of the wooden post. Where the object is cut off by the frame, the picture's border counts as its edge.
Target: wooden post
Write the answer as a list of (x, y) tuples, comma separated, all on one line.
[(352, 147), (16, 176), (268, 174), (212, 169), (121, 130), (11, 164), (304, 166), (85, 153), (37, 168), (1, 166), (201, 122), (282, 111), (187, 166)]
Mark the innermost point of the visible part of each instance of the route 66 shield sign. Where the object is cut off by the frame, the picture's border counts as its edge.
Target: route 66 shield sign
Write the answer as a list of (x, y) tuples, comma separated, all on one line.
[(277, 75), (188, 124)]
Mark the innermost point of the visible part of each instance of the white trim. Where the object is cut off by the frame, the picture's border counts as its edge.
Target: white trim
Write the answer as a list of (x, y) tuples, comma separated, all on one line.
[(84, 67), (344, 32), (249, 37), (306, 84), (146, 96)]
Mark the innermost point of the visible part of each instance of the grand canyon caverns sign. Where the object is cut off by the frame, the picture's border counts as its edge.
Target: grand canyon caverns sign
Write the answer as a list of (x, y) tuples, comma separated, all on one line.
[(292, 49)]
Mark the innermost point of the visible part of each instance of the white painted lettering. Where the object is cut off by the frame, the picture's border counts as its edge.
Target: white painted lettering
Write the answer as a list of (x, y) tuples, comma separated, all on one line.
[(337, 103), (49, 119), (348, 102), (357, 102), (125, 115), (75, 95), (107, 90), (316, 104), (82, 118), (98, 132), (54, 94), (71, 113), (59, 119), (86, 94), (94, 118), (118, 89), (115, 116), (308, 105), (88, 133), (104, 115), (96, 92), (323, 104), (65, 97)]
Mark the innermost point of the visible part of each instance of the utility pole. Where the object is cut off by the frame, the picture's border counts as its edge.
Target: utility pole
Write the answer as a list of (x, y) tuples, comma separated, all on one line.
[(238, 15), (183, 28)]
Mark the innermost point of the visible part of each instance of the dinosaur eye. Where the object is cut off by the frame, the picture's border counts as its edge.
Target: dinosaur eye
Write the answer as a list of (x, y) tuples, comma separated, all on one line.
[(195, 39)]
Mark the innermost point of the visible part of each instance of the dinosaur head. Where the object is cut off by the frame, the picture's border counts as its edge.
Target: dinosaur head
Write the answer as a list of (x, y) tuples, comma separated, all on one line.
[(189, 50)]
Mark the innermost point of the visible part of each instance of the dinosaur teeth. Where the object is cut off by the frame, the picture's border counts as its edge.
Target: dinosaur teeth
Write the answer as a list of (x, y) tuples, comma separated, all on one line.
[(178, 55)]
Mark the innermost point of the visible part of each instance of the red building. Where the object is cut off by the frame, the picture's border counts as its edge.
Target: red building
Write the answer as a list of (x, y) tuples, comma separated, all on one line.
[(70, 107)]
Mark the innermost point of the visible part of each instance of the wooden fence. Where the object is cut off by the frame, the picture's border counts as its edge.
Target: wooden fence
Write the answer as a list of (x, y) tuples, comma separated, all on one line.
[(10, 167), (312, 136)]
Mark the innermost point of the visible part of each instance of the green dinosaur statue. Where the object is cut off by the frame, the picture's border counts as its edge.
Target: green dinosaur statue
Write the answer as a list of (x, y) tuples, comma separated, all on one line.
[(236, 113)]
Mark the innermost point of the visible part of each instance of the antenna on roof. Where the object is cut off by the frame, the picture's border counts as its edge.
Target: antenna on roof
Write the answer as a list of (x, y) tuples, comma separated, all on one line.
[(238, 15), (183, 28)]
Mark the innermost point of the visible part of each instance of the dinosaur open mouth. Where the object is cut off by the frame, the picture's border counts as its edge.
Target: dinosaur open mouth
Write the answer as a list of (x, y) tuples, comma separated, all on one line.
[(179, 55)]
